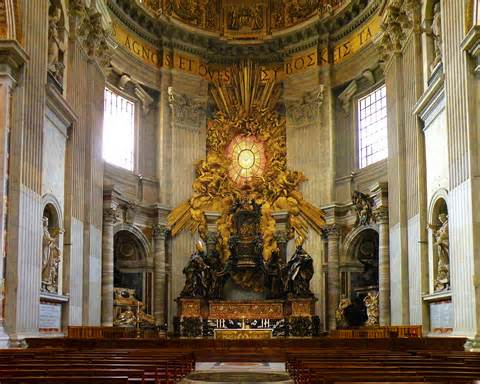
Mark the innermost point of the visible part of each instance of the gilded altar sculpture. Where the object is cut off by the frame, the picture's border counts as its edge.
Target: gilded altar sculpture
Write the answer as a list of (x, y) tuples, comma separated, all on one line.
[(246, 162), (197, 275)]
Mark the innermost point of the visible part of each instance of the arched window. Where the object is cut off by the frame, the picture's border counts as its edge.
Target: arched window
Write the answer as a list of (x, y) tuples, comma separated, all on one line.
[(119, 130), (372, 127)]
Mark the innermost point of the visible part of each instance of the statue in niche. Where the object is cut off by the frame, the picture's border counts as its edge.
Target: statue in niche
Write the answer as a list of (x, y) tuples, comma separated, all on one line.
[(56, 45), (274, 281), (440, 234), (298, 272), (363, 204), (436, 32), (371, 303), (340, 317), (197, 274), (50, 260)]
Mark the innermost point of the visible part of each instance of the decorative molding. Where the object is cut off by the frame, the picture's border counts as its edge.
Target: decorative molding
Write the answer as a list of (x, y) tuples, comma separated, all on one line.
[(471, 45), (110, 216), (186, 111), (159, 232), (346, 96), (307, 109), (381, 215), (397, 21), (88, 27), (145, 99)]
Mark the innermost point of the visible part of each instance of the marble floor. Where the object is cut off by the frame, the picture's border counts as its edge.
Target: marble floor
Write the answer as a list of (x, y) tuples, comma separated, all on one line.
[(242, 372)]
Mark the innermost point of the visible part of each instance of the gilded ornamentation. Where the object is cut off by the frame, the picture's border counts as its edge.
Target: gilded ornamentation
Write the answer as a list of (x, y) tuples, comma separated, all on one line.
[(307, 110), (3, 19), (246, 106), (363, 205), (371, 303), (56, 43), (51, 258), (440, 233), (128, 310), (190, 308), (302, 308), (243, 18), (239, 310), (248, 17), (186, 111), (243, 334)]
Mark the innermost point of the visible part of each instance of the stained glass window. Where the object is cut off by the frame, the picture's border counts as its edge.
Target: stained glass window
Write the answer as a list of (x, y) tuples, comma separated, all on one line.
[(118, 130), (372, 127), (248, 159)]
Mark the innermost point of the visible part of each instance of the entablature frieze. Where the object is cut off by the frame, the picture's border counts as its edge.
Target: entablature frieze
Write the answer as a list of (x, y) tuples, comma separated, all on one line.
[(216, 48)]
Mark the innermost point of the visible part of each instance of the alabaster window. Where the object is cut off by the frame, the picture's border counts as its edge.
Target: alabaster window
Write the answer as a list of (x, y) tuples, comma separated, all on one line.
[(118, 130), (372, 127)]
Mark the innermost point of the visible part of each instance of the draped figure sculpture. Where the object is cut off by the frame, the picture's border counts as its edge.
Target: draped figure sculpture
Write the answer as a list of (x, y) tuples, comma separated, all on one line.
[(197, 275), (298, 273), (440, 235), (371, 303), (50, 260)]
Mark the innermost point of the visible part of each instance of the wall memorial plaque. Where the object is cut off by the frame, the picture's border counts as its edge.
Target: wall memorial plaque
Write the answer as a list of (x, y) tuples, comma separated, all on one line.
[(50, 317), (441, 317)]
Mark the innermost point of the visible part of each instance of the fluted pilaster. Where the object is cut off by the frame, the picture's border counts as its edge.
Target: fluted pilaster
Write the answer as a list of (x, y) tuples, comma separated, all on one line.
[(160, 274), (333, 283), (109, 218)]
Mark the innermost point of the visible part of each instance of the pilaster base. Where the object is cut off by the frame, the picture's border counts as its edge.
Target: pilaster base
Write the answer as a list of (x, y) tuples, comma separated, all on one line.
[(473, 344), (4, 338)]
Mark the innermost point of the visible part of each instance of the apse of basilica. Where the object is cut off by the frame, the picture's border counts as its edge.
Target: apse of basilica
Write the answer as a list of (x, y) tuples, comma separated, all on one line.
[(239, 169)]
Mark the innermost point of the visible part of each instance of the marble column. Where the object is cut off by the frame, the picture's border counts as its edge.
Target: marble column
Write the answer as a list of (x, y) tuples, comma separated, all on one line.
[(160, 274), (109, 218), (383, 265), (12, 57), (333, 282)]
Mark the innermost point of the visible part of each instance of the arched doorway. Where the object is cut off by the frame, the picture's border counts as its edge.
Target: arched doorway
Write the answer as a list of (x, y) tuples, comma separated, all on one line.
[(133, 268)]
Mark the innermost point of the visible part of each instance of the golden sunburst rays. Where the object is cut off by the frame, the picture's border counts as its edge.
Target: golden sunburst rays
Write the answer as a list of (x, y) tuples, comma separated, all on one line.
[(247, 90), (246, 158)]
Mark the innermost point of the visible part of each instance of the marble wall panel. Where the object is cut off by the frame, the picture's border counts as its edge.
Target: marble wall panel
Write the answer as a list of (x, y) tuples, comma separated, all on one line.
[(461, 259), (415, 273), (75, 290)]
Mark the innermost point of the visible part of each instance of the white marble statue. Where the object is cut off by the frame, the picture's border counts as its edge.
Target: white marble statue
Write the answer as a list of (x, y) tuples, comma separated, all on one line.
[(371, 302), (50, 260), (436, 30), (56, 45), (440, 234)]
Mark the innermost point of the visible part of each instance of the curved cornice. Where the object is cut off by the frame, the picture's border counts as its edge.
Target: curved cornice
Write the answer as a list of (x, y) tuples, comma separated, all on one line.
[(166, 33)]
